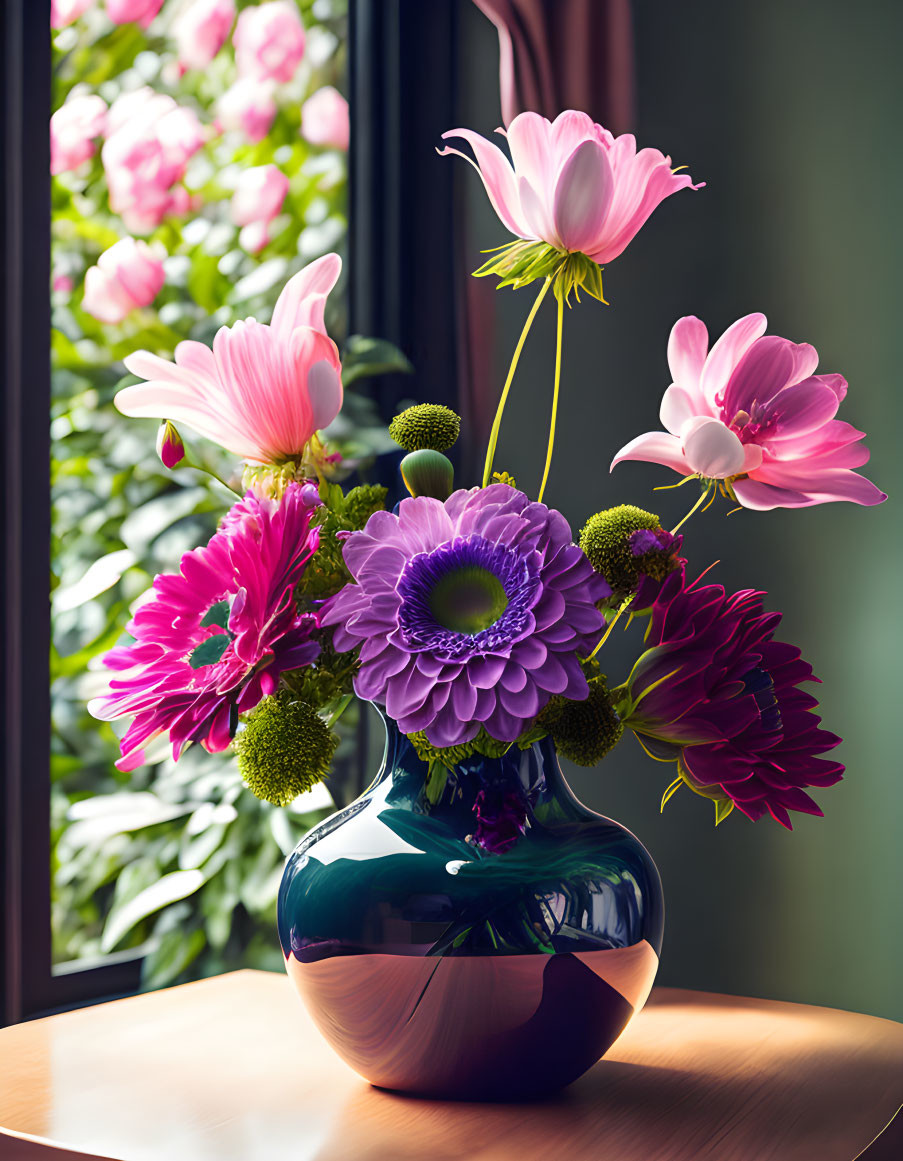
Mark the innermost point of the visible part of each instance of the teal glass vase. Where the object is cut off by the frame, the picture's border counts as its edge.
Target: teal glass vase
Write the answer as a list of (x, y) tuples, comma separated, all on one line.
[(482, 937)]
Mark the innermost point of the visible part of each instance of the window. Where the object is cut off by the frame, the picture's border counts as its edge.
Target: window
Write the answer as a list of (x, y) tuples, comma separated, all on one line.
[(110, 849)]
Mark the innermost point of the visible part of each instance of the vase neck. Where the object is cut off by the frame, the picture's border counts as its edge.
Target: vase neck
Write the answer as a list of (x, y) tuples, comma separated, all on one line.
[(532, 774)]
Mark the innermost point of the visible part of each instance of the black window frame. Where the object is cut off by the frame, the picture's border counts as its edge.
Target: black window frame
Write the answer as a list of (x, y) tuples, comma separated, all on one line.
[(401, 287)]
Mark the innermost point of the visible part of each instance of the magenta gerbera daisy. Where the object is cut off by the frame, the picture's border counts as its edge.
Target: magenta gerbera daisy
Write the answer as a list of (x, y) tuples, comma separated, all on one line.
[(717, 691), (215, 636), (469, 612)]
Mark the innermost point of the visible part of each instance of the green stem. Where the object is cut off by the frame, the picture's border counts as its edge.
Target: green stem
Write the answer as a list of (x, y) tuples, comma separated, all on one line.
[(187, 462), (611, 624), (559, 334), (702, 499), (497, 423), (339, 710)]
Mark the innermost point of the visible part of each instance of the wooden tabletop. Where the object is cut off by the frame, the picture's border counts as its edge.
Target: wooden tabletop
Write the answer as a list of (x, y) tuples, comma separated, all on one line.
[(233, 1069)]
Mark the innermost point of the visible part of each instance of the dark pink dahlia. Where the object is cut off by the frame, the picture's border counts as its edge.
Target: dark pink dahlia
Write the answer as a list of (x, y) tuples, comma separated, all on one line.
[(714, 688), (468, 613), (215, 636)]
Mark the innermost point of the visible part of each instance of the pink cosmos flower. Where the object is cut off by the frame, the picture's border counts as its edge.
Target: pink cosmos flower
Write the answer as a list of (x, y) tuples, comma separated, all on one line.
[(201, 30), (570, 183), (324, 118), (263, 391), (752, 412), (74, 128), (215, 636), (269, 41), (133, 11), (150, 141), (128, 275), (62, 283), (248, 106), (65, 12)]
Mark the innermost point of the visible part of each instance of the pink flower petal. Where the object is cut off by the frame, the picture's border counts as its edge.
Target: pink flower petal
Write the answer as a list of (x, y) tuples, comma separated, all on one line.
[(568, 130), (837, 383), (530, 141), (582, 196), (727, 353), (536, 215), (820, 485), (655, 447), (802, 408), (497, 176), (765, 369), (763, 497), (688, 347), (303, 298), (805, 360), (712, 449), (324, 385), (677, 407)]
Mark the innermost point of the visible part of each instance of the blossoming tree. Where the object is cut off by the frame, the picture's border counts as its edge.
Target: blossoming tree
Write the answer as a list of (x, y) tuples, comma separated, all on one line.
[(188, 188)]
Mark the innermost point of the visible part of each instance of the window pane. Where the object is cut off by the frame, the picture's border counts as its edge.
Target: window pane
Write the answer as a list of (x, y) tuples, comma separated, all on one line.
[(161, 235)]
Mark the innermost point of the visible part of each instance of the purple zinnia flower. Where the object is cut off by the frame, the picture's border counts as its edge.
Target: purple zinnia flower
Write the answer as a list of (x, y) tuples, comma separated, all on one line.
[(215, 636), (469, 612), (714, 688)]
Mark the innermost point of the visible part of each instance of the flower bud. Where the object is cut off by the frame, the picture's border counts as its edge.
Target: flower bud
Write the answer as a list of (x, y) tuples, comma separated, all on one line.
[(428, 473), (170, 447)]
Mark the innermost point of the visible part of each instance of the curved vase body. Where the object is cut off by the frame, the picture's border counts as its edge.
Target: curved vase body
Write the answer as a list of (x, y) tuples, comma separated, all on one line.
[(435, 965)]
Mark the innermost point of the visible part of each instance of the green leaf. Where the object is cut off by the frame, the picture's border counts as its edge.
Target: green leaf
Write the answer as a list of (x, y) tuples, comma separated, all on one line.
[(173, 953), (723, 807), (363, 358), (217, 614), (435, 782), (210, 651), (168, 889)]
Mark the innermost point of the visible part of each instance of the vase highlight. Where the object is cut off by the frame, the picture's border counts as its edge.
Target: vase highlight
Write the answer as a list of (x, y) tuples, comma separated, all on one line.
[(444, 949)]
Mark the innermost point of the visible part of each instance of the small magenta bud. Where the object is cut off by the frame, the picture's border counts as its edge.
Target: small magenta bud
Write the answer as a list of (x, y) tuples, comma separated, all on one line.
[(310, 495), (170, 447)]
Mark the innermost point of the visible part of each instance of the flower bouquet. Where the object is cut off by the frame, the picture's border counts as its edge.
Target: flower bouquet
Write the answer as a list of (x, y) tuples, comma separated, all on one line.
[(466, 927)]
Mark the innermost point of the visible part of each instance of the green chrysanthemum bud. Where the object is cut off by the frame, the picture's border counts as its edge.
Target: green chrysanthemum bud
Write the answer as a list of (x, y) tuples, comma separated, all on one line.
[(605, 540), (428, 473), (284, 749), (450, 756), (584, 731), (426, 425)]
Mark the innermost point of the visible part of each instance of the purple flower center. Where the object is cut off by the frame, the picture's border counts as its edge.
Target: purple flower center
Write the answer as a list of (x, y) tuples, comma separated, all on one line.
[(467, 597)]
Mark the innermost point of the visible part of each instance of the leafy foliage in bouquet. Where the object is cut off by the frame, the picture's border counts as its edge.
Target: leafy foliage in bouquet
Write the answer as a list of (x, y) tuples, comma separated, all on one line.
[(135, 862)]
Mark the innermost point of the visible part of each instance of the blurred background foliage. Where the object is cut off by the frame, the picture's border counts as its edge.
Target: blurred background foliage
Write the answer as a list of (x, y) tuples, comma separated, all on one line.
[(179, 860)]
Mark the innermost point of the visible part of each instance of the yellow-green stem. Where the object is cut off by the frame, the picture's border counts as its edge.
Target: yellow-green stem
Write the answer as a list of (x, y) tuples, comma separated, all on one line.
[(611, 624), (497, 423), (560, 331), (703, 497)]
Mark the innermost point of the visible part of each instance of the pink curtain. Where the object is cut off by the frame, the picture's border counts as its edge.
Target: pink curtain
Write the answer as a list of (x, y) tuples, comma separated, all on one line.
[(565, 54)]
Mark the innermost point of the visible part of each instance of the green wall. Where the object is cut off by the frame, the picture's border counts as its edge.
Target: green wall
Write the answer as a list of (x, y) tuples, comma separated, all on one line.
[(790, 111)]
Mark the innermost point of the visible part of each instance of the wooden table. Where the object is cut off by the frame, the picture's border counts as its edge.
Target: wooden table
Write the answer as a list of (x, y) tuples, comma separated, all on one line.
[(233, 1069)]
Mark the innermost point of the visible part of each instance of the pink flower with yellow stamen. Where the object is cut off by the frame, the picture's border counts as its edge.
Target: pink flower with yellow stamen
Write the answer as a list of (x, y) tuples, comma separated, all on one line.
[(752, 414)]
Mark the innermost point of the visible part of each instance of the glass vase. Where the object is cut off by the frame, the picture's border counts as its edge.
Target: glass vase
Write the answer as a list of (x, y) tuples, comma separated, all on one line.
[(478, 934)]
